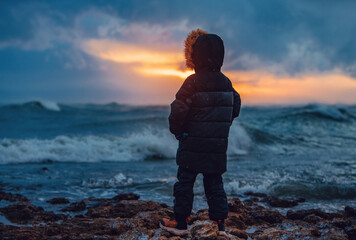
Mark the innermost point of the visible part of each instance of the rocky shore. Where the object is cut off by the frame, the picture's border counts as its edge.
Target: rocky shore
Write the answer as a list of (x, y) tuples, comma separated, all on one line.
[(126, 217)]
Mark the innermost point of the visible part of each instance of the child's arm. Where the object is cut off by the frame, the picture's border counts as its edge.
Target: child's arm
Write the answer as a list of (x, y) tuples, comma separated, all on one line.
[(181, 106), (237, 104), (237, 101)]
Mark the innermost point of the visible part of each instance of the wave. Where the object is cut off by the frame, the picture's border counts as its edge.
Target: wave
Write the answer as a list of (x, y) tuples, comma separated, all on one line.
[(148, 144), (278, 187), (321, 191), (119, 180), (239, 141), (316, 110), (88, 148), (51, 106), (89, 109), (336, 113), (45, 105)]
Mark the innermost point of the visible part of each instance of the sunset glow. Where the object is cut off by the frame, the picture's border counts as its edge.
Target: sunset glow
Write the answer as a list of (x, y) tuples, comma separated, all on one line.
[(149, 61), (258, 87), (156, 66), (166, 72), (130, 53)]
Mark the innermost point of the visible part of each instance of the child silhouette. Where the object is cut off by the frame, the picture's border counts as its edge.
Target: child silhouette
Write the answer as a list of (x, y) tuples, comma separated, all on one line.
[(200, 118)]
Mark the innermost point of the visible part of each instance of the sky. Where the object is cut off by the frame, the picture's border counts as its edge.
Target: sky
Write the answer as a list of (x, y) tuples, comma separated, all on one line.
[(276, 51)]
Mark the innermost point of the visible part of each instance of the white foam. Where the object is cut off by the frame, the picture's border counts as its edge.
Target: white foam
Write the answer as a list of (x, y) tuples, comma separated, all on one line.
[(239, 141), (150, 143), (52, 106), (240, 187), (328, 111), (89, 148), (118, 180)]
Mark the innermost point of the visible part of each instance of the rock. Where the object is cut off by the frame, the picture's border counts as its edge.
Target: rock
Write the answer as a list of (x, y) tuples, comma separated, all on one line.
[(124, 209), (278, 202), (75, 207), (235, 205), (58, 201), (151, 219), (339, 222), (261, 195), (102, 203), (350, 212), (208, 229), (312, 218), (20, 213), (50, 217), (236, 220), (164, 235), (204, 230), (250, 202), (137, 234), (301, 214), (24, 213), (297, 232), (239, 233), (267, 215), (126, 196), (13, 197), (351, 231), (163, 205), (23, 233), (99, 226), (202, 214), (137, 219), (315, 232), (300, 232)]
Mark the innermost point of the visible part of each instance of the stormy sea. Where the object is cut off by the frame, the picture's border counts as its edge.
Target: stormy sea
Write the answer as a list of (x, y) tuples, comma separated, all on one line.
[(77, 151)]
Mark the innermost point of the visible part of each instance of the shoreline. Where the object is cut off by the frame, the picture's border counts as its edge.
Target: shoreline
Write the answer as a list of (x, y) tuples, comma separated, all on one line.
[(126, 217)]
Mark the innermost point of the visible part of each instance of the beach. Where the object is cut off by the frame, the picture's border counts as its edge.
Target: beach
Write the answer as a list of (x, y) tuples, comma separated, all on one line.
[(98, 151), (126, 217)]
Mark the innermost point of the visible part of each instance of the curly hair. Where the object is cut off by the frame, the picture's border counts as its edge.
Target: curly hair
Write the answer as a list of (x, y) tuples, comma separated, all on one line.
[(188, 46)]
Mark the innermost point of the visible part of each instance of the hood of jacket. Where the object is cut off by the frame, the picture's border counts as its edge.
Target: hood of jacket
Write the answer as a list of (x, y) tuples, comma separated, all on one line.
[(206, 52)]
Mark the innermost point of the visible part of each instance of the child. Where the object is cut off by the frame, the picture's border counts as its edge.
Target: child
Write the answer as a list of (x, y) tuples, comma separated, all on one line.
[(201, 116)]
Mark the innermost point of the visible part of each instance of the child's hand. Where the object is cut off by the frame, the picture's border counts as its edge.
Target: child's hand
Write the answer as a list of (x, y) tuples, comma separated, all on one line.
[(182, 136)]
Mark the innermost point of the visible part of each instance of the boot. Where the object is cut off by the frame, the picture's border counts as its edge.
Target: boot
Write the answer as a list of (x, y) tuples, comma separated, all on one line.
[(221, 228), (174, 227)]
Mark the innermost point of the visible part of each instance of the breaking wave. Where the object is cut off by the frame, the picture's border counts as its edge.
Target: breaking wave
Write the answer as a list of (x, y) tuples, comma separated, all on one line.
[(45, 105), (89, 148), (323, 111), (148, 144), (287, 187)]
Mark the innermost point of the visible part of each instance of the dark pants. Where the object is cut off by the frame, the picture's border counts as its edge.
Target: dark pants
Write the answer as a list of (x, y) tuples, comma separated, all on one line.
[(214, 192)]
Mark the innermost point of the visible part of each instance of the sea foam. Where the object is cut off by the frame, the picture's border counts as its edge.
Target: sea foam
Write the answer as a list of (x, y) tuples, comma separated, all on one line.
[(148, 144), (52, 106)]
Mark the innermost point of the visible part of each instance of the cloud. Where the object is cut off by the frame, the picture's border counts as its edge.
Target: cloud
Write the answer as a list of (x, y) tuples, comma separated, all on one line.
[(259, 87), (141, 42), (143, 59), (121, 52), (301, 57), (268, 31)]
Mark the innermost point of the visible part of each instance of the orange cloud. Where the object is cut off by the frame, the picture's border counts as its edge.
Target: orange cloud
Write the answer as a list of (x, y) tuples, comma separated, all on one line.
[(165, 72), (129, 53), (157, 73), (161, 61), (259, 87)]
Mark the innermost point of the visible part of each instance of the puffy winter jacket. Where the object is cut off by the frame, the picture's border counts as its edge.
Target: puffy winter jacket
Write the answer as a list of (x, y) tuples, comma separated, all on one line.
[(204, 108)]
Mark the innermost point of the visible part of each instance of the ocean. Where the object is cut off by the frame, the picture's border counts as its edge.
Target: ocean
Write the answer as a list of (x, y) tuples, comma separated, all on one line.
[(77, 151)]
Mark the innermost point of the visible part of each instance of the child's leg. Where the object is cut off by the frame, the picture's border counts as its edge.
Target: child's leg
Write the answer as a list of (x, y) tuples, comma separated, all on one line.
[(216, 197), (183, 193)]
